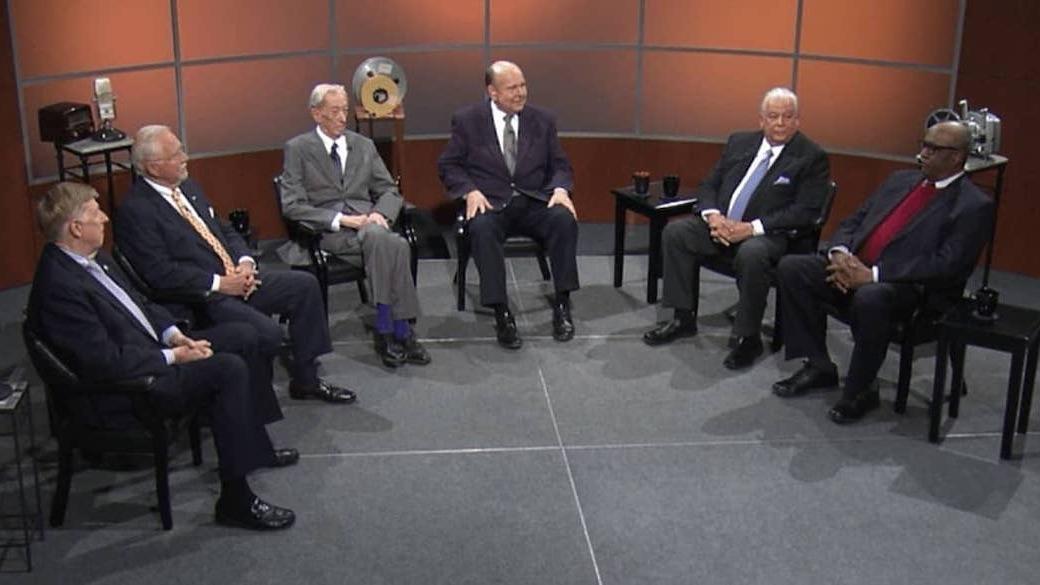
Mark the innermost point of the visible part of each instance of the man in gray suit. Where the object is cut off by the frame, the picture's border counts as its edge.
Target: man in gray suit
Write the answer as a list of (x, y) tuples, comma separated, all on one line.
[(334, 180)]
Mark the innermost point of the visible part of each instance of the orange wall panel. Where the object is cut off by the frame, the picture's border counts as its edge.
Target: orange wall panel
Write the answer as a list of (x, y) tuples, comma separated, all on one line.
[(219, 28), (391, 23), (869, 109), (589, 21), (144, 97), (590, 91), (63, 36), (439, 82), (249, 104), (921, 31), (710, 23), (707, 95)]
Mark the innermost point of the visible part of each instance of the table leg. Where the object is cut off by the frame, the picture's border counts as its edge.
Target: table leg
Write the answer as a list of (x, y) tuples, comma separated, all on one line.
[(1027, 388), (84, 164), (61, 161), (1011, 407), (654, 270), (942, 352), (111, 184), (619, 241)]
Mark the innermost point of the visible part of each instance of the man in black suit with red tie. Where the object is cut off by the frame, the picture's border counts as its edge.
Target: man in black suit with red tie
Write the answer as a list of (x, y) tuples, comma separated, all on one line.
[(920, 232), (167, 228), (766, 184), (505, 160), (83, 308)]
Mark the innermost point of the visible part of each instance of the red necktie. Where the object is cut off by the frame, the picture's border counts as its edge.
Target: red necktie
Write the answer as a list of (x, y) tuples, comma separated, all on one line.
[(895, 221)]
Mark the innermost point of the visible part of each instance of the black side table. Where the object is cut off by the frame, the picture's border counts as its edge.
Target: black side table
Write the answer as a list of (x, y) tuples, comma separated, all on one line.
[(658, 209), (87, 149), (1016, 331)]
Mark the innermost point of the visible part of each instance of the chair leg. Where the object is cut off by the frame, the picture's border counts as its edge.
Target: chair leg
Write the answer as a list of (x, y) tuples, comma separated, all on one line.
[(906, 364), (462, 245), (362, 292), (778, 326), (61, 490), (543, 265), (162, 478), (196, 441)]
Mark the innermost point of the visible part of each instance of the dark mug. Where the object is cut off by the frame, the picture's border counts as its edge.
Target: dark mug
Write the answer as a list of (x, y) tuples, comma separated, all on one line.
[(239, 219), (641, 182), (670, 184), (986, 301)]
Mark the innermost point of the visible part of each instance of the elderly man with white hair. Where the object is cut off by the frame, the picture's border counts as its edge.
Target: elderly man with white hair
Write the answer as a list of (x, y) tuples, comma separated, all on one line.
[(334, 181), (766, 183)]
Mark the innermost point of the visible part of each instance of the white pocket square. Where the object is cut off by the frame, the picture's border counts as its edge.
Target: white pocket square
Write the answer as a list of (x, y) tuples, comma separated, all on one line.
[(782, 180)]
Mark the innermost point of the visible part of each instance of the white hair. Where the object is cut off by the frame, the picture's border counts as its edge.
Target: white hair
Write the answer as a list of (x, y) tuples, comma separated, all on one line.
[(323, 89), (779, 93), (146, 144)]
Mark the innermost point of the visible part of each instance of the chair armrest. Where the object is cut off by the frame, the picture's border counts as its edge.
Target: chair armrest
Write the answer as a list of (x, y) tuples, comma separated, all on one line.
[(182, 296), (129, 386)]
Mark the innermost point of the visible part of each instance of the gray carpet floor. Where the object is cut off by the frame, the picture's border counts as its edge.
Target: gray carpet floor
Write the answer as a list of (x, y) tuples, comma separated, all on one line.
[(599, 461)]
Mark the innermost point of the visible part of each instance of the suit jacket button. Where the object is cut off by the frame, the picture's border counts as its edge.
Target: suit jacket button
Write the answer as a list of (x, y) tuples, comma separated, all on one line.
[(512, 185)]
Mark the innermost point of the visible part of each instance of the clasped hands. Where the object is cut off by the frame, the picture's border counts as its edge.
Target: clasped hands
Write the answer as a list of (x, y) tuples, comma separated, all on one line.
[(846, 272), (241, 282), (356, 222), (186, 349), (477, 203), (726, 231)]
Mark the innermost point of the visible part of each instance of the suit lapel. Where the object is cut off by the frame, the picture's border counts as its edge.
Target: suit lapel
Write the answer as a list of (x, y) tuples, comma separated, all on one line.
[(91, 283), (526, 128), (494, 146), (354, 162), (315, 150)]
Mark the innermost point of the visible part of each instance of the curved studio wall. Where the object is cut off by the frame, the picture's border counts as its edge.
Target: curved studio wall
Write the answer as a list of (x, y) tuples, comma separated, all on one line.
[(631, 80)]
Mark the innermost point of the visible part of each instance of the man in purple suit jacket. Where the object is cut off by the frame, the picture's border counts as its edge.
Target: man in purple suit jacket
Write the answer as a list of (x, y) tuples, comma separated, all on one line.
[(505, 160)]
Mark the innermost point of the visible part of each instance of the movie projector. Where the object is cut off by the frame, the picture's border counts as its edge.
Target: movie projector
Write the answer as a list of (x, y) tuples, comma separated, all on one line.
[(983, 125), (379, 86)]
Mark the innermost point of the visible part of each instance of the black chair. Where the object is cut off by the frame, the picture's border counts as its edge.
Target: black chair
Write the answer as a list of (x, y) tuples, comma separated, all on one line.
[(178, 296), (916, 328), (138, 429), (514, 246), (327, 267), (800, 241)]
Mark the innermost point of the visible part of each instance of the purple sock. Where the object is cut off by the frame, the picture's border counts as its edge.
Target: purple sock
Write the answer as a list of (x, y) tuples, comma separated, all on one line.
[(384, 320), (402, 329)]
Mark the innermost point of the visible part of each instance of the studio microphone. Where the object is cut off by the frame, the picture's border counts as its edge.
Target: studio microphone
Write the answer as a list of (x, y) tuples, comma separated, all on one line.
[(106, 109)]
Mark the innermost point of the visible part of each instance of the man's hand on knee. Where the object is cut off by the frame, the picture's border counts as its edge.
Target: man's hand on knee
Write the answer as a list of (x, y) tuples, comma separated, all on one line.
[(476, 204), (560, 197)]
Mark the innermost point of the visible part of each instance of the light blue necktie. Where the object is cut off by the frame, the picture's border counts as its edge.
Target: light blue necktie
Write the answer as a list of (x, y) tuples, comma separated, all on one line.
[(124, 299), (740, 203)]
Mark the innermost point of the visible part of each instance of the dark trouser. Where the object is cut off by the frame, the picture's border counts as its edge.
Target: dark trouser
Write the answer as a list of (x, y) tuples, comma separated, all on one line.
[(294, 294), (238, 338), (554, 227), (871, 310), (220, 386), (686, 242)]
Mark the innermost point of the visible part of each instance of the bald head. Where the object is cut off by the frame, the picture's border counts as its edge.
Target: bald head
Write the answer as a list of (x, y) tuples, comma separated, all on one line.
[(944, 150), (506, 86)]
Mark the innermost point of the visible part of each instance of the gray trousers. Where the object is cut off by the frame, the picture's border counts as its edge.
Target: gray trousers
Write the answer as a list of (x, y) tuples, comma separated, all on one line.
[(686, 242), (387, 260)]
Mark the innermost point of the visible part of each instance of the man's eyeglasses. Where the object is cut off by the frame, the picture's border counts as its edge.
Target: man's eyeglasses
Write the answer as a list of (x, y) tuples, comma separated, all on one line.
[(933, 147)]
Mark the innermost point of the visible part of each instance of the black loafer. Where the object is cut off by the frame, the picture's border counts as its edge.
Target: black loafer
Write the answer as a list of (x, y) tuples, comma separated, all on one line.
[(414, 352), (505, 330), (806, 379), (258, 515), (322, 391), (563, 326), (744, 354), (285, 457), (849, 410), (389, 350), (670, 331)]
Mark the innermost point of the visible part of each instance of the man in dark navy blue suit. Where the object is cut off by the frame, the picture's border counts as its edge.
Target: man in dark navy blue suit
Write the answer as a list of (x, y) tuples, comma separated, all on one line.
[(505, 160), (167, 228), (920, 233), (83, 308)]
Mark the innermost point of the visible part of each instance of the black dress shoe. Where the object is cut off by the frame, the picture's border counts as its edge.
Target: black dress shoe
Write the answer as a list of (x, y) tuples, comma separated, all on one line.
[(285, 457), (257, 515), (849, 410), (389, 350), (414, 352), (322, 390), (505, 330), (563, 326), (744, 354), (670, 331), (806, 379)]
